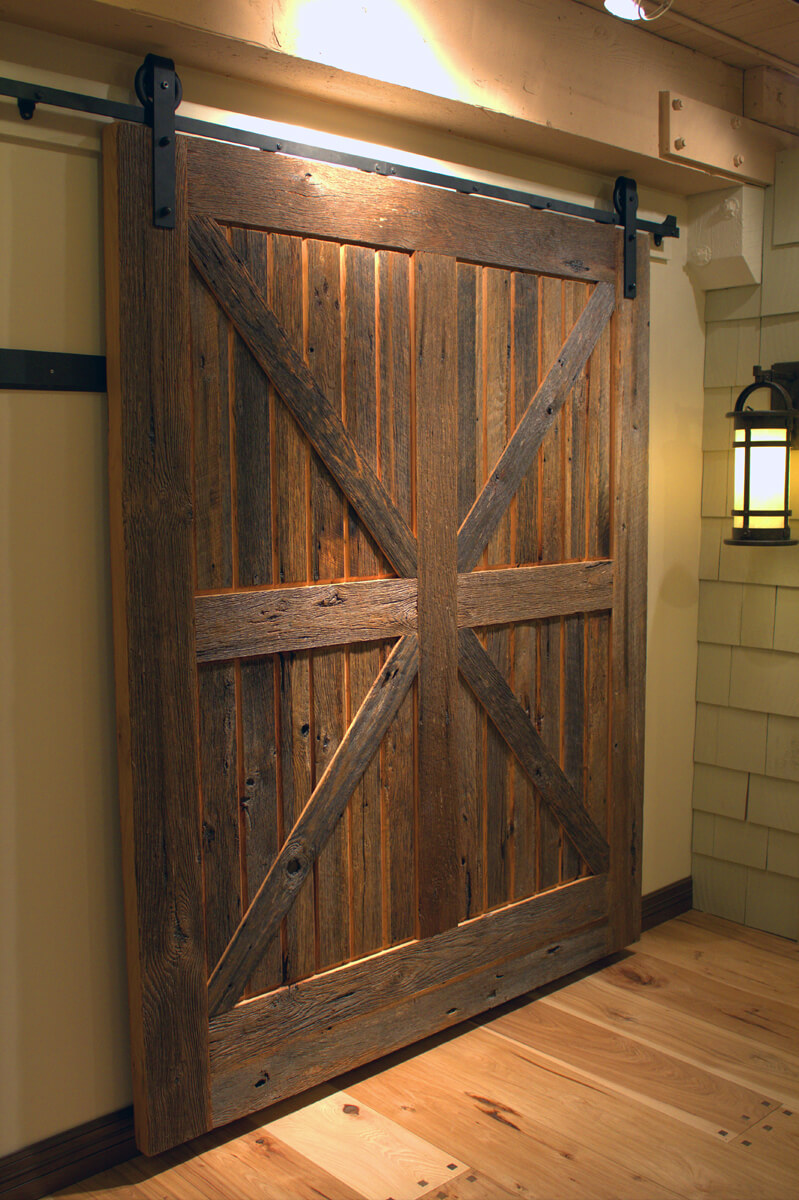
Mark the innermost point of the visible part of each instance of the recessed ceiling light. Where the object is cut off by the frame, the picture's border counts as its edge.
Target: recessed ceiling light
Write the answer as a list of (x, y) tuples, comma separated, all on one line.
[(633, 10)]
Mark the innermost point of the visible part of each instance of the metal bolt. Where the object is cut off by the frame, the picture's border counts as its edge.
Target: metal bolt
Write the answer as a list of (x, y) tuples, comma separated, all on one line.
[(676, 105), (165, 211), (738, 160), (679, 143), (164, 141), (165, 85)]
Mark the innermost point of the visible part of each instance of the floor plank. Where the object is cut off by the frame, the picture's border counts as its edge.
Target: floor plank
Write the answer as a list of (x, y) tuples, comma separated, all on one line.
[(377, 1157), (668, 1073), (771, 942), (643, 1073), (733, 1056), (723, 960)]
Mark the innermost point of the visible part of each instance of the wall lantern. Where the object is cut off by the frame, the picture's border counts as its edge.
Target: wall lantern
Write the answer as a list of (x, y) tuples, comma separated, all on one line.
[(633, 10), (762, 442)]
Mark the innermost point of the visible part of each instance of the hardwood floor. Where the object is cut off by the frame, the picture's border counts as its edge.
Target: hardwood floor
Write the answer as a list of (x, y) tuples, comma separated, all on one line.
[(671, 1072)]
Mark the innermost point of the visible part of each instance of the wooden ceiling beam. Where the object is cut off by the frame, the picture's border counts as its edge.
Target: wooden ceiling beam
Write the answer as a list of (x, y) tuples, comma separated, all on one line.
[(551, 78)]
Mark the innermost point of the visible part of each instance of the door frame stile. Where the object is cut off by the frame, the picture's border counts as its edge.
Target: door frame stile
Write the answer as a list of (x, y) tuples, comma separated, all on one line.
[(150, 467)]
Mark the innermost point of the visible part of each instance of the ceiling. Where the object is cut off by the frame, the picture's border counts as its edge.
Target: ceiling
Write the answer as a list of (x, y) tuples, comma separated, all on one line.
[(730, 30)]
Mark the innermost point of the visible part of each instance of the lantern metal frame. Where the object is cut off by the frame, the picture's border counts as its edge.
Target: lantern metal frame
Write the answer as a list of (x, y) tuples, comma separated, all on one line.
[(782, 382)]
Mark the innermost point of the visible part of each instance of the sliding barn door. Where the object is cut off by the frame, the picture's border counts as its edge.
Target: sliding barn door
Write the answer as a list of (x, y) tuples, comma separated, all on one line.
[(378, 486)]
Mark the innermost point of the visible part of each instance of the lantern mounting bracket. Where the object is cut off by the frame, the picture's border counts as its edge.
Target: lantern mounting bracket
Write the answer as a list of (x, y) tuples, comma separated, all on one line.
[(786, 374)]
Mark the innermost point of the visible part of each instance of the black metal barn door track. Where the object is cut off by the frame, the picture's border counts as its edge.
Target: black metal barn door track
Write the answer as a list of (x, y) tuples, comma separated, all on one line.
[(159, 91)]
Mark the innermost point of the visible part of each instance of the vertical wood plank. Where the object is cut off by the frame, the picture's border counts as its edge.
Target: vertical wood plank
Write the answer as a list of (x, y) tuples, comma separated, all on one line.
[(575, 499), (210, 337), (396, 768), (364, 560), (598, 698), (323, 354), (470, 465), (525, 381), (258, 736), (629, 550), (437, 441), (550, 632), (499, 771), (286, 298), (151, 554)]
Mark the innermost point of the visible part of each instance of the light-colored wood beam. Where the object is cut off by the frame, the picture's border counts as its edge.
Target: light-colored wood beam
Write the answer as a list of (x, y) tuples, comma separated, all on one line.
[(772, 97), (547, 77)]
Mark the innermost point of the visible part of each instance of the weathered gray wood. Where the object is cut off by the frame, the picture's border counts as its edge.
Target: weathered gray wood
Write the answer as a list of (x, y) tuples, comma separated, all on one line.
[(149, 371), (396, 472), (256, 323), (362, 558), (327, 518), (525, 550), (515, 461), (552, 549), (302, 846), (575, 488), (529, 593), (628, 648), (435, 351), (497, 400), (253, 421), (513, 723), (340, 1019), (241, 624), (246, 187)]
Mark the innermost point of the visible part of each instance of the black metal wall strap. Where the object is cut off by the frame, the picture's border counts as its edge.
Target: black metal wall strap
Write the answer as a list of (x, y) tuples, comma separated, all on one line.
[(42, 371)]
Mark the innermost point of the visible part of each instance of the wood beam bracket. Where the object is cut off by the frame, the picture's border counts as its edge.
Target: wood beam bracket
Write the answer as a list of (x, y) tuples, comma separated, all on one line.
[(159, 89)]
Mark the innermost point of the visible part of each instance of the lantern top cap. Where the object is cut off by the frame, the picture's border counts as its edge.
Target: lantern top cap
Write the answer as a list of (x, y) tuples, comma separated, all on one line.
[(782, 382)]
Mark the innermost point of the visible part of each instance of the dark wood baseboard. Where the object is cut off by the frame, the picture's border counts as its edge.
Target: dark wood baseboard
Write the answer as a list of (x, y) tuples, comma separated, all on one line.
[(107, 1141), (667, 902), (68, 1157)]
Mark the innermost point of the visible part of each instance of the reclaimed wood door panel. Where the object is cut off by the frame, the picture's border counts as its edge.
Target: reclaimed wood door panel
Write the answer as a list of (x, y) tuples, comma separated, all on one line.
[(378, 466)]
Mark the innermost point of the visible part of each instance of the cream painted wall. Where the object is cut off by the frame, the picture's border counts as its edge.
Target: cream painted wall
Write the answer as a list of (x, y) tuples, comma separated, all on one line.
[(62, 997)]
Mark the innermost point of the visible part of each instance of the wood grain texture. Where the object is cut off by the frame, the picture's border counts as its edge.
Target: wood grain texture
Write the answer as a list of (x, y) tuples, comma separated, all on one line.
[(652, 1077), (575, 498), (549, 694), (313, 198), (291, 466), (327, 518), (630, 477), (302, 846), (538, 1101), (518, 731), (390, 999), (470, 720), (396, 438), (361, 1147), (243, 624), (215, 556), (506, 476), (497, 367), (151, 555), (363, 558), (525, 550), (256, 323), (435, 350), (254, 419)]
